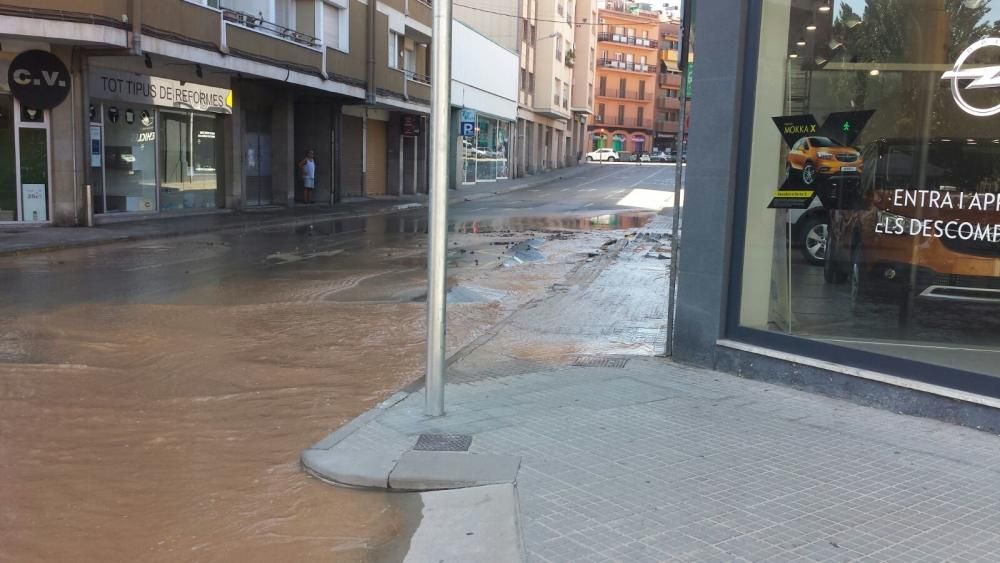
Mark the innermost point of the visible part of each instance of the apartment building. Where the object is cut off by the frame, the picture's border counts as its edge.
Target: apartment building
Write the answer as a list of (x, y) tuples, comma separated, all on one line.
[(552, 64), (627, 61), (668, 106), (185, 106)]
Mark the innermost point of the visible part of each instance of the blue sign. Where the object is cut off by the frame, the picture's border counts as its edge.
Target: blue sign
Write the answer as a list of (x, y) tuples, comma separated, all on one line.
[(467, 123)]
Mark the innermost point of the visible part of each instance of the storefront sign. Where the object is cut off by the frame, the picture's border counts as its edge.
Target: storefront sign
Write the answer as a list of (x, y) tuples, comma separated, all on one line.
[(981, 77), (467, 124), (153, 90), (411, 125), (38, 79)]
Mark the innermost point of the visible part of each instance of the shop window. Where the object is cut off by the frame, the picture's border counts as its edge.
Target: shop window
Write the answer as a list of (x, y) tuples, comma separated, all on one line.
[(189, 148), (618, 142), (8, 175), (872, 209), (129, 158)]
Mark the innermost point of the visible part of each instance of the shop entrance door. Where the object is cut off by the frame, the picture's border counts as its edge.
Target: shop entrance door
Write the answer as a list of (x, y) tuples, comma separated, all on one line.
[(8, 161), (257, 158)]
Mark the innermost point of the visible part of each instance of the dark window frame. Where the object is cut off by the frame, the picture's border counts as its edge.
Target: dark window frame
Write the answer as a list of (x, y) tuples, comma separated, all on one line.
[(947, 377)]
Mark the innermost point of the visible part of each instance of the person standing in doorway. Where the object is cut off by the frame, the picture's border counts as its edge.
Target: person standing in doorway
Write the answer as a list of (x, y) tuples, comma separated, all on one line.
[(307, 167)]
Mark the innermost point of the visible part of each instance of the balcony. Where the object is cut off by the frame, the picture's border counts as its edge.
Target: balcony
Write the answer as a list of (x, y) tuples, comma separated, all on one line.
[(670, 80), (628, 40), (625, 65), (629, 122), (251, 21), (664, 126), (625, 95), (664, 102)]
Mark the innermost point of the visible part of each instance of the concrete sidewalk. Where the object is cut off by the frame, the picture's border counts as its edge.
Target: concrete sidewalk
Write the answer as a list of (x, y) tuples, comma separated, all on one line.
[(16, 239), (653, 461), (632, 458)]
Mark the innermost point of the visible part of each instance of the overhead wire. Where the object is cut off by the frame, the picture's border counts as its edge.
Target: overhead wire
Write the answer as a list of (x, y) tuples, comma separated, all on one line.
[(487, 11)]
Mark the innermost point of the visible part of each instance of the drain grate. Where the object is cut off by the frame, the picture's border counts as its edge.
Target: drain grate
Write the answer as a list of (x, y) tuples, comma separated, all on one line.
[(443, 443), (599, 362)]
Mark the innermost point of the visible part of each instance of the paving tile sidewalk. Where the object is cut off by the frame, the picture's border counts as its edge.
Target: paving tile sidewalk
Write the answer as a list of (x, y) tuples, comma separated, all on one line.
[(17, 239), (657, 461)]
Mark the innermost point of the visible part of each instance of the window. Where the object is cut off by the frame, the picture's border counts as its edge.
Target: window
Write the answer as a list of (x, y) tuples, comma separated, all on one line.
[(531, 83), (524, 79), (559, 45), (600, 112), (591, 62), (638, 117), (527, 32), (621, 115), (335, 26), (621, 87), (590, 94), (602, 86), (559, 8), (555, 92), (395, 47), (642, 89), (569, 48), (534, 34), (897, 159), (565, 96)]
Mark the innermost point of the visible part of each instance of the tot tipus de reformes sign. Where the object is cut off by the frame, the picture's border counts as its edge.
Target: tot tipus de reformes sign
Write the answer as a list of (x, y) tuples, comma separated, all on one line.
[(157, 91)]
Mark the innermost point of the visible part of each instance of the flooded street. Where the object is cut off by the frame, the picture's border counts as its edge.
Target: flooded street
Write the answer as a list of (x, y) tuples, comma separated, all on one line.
[(155, 396)]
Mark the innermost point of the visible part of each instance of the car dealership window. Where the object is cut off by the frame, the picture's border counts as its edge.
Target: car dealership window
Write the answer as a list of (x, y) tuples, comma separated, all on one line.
[(873, 195)]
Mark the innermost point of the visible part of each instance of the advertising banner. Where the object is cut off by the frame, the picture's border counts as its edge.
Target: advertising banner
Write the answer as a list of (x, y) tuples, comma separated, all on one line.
[(153, 90)]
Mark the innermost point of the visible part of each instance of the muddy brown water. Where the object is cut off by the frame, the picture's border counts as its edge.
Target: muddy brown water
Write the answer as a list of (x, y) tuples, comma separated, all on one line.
[(167, 426)]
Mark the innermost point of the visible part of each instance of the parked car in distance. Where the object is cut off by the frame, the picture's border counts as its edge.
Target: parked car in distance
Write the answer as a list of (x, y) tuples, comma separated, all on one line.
[(890, 244), (813, 156), (602, 155), (658, 156), (640, 157)]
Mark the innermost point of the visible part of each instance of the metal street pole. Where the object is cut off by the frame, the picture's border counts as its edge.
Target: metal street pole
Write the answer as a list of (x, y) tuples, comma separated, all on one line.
[(679, 150), (438, 226)]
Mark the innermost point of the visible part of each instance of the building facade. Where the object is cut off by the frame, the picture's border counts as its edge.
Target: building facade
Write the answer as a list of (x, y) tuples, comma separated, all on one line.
[(668, 104), (484, 102), (550, 127), (192, 106), (625, 88), (807, 108)]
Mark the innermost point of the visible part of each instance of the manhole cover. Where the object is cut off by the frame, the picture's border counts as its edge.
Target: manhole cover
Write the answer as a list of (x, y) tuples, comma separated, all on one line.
[(443, 443), (599, 362)]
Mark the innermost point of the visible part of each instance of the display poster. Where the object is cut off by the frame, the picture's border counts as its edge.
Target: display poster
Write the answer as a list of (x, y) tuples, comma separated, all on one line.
[(820, 157)]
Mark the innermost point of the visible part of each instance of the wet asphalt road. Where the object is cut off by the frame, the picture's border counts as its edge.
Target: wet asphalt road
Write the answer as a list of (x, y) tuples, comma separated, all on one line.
[(167, 270)]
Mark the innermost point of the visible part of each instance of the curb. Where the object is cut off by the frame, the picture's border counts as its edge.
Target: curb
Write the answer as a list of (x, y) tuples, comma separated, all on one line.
[(289, 221), (571, 172)]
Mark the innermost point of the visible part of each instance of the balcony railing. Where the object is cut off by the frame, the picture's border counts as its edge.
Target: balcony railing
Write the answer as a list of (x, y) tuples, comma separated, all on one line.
[(670, 80), (257, 22), (626, 95), (631, 122), (627, 40), (625, 65), (664, 126), (664, 102), (417, 77)]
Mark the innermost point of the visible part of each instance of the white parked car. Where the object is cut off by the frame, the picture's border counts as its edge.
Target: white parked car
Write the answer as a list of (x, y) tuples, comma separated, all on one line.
[(603, 154)]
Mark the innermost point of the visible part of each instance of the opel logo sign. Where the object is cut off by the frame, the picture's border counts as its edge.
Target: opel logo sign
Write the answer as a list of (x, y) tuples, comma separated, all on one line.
[(983, 77)]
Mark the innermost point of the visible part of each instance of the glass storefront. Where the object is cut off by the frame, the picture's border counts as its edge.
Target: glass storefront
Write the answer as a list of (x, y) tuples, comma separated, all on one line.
[(873, 200), (485, 156), (153, 159)]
